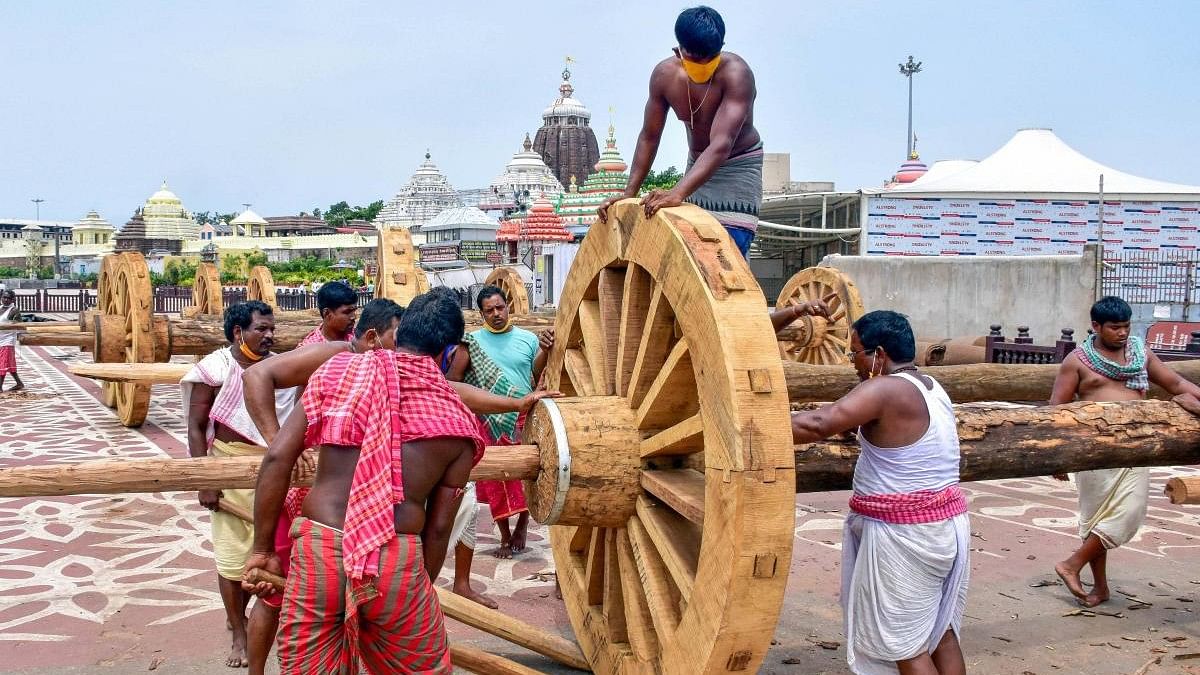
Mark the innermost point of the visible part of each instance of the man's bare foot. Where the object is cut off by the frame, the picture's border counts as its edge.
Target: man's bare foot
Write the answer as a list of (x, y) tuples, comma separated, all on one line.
[(503, 551), (237, 655), (518, 541), (470, 594), (1094, 598), (1071, 579)]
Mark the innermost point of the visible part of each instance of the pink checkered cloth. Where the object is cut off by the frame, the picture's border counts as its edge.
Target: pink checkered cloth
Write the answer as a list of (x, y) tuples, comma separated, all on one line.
[(316, 337), (913, 508), (377, 401)]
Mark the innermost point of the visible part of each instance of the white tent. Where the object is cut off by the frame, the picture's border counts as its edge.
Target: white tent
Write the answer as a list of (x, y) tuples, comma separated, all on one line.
[(1035, 163)]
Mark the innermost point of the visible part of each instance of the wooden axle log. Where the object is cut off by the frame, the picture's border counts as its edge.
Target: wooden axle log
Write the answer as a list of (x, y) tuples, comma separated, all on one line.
[(996, 442), (964, 384), (125, 476), (1007, 442)]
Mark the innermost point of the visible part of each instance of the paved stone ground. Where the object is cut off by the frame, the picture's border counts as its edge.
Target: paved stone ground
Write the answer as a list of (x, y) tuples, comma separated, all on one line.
[(118, 584)]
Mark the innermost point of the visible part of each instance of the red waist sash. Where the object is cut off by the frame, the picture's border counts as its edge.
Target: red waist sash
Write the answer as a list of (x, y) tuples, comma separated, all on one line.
[(912, 508)]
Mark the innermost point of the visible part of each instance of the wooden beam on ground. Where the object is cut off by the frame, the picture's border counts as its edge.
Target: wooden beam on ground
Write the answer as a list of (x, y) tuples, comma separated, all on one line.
[(127, 476), (481, 662), (1009, 442), (56, 339), (964, 384)]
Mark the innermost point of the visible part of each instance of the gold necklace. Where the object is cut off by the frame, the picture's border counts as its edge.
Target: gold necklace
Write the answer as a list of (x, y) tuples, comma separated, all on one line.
[(692, 111)]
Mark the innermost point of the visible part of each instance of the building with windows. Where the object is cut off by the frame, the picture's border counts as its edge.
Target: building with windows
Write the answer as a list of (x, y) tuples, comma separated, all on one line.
[(462, 233)]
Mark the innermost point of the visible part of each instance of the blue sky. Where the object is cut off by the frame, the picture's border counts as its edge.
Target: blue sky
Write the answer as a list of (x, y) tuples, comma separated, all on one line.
[(291, 105)]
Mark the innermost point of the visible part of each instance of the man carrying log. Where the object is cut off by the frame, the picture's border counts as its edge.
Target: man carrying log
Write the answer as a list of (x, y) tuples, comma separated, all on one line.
[(218, 423), (1111, 365), (506, 360), (376, 329), (396, 446), (8, 339), (712, 92), (338, 305), (905, 545)]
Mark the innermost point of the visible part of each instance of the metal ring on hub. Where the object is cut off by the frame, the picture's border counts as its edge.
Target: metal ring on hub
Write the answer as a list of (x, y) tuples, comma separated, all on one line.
[(564, 460)]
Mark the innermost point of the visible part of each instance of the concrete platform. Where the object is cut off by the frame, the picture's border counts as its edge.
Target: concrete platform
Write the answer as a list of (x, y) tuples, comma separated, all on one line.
[(117, 584)]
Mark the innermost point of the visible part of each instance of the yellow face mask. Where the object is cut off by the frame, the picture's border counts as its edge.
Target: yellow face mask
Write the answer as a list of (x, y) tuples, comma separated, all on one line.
[(700, 72)]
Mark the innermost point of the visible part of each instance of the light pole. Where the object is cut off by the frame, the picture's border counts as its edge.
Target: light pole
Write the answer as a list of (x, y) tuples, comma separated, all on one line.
[(38, 204), (908, 70)]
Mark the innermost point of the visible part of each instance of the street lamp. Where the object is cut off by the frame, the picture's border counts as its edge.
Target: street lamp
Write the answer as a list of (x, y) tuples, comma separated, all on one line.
[(908, 70)]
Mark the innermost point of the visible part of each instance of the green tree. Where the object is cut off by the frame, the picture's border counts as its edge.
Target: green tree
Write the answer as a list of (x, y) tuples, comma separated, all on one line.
[(661, 180)]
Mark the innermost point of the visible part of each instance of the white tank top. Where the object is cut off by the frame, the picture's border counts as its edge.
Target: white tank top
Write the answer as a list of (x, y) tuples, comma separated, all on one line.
[(931, 463)]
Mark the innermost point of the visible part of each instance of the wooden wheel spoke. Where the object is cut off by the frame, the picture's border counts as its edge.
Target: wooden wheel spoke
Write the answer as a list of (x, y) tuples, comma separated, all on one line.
[(677, 542), (680, 489), (611, 291), (613, 605), (639, 625), (654, 348), (672, 395), (661, 595), (592, 334), (634, 306), (594, 572), (579, 372), (683, 438)]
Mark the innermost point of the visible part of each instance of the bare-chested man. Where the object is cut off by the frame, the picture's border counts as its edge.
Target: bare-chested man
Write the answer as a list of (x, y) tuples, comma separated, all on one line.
[(712, 92), (1111, 365)]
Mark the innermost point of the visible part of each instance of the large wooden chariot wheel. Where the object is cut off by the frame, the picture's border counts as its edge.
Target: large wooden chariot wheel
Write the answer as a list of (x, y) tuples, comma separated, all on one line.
[(106, 304), (126, 330), (670, 493), (509, 280), (261, 286), (399, 278), (207, 294), (818, 340)]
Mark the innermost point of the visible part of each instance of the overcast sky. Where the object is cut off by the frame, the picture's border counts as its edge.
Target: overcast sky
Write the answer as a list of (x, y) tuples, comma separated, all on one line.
[(291, 105)]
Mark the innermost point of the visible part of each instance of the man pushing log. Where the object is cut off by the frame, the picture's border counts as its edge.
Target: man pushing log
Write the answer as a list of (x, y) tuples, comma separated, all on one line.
[(1111, 365), (905, 545)]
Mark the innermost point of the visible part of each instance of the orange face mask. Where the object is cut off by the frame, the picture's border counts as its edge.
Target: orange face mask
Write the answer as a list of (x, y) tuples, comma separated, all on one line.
[(700, 72)]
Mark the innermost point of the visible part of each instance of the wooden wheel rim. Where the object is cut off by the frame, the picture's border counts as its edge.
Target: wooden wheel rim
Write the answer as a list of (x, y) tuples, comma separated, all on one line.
[(509, 280), (261, 286), (206, 290), (678, 596), (132, 299), (828, 341), (106, 304)]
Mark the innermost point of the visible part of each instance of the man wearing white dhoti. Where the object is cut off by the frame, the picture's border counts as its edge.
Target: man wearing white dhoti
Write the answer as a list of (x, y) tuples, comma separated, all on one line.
[(1111, 365), (905, 545)]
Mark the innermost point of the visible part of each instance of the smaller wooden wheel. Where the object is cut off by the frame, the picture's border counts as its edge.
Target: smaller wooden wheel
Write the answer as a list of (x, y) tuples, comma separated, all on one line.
[(399, 278), (207, 297), (106, 304), (133, 300), (818, 340), (261, 286), (509, 280)]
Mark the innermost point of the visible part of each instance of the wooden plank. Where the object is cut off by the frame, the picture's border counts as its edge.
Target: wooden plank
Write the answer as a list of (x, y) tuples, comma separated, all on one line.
[(634, 306), (639, 625), (478, 661), (594, 345), (580, 539), (677, 541), (654, 347), (506, 627), (672, 397), (681, 489), (681, 439)]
